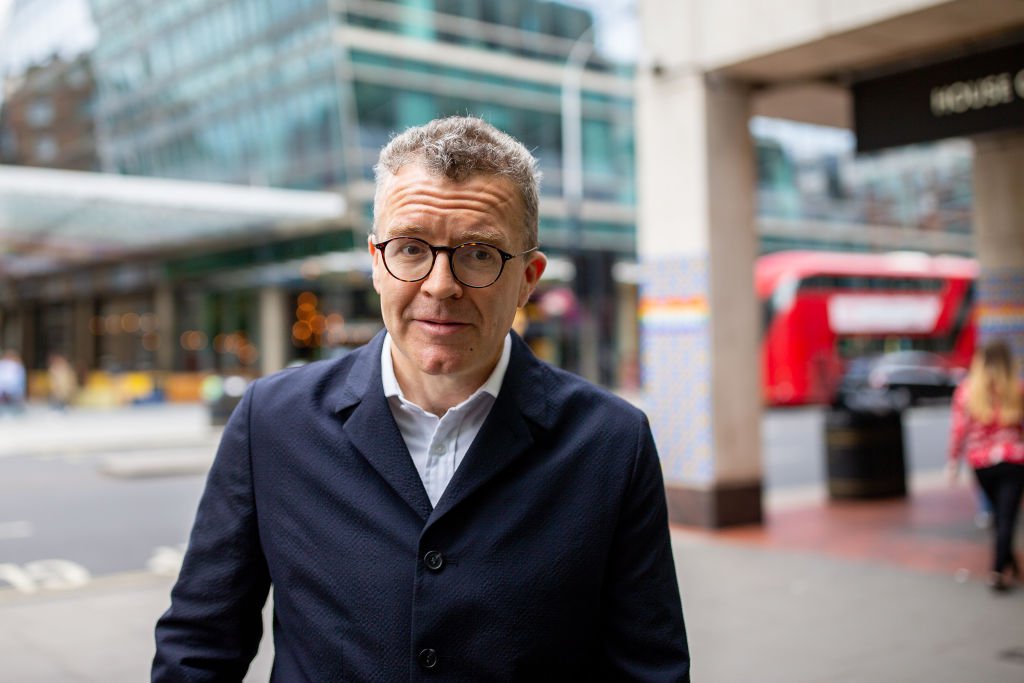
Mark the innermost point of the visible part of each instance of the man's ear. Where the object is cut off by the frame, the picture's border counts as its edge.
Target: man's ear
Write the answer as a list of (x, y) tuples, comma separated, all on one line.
[(377, 266), (531, 276)]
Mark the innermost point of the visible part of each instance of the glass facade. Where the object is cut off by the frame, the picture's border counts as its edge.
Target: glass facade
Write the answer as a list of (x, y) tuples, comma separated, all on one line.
[(539, 30), (393, 93), (302, 93), (241, 91), (916, 197)]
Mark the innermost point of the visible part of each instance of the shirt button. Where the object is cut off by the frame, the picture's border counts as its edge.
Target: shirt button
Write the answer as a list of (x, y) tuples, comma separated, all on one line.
[(428, 658), (434, 561), (437, 449)]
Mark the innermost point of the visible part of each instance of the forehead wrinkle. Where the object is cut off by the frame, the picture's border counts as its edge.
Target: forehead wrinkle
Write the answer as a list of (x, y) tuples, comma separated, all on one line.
[(432, 184), (407, 207), (451, 199)]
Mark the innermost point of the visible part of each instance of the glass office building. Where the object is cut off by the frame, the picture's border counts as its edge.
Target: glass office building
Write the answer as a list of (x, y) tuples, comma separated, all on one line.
[(301, 95)]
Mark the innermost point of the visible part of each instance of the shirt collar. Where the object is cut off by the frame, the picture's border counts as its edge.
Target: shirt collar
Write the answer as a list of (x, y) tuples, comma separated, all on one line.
[(492, 386)]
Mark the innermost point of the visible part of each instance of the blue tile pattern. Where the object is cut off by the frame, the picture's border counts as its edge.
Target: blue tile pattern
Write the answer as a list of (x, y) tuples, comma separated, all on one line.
[(1000, 307), (676, 364)]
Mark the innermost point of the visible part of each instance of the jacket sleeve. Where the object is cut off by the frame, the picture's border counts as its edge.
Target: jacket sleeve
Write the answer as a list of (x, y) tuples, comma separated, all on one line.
[(643, 628), (213, 627)]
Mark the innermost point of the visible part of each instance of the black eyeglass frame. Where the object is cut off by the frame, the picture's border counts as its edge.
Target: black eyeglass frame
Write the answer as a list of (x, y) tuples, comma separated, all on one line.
[(505, 258)]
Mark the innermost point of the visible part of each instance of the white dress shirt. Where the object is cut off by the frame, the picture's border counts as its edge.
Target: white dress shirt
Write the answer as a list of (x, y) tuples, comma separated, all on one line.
[(438, 444)]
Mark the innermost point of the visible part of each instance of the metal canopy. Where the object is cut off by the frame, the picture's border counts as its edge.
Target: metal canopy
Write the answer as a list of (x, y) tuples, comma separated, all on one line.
[(51, 220)]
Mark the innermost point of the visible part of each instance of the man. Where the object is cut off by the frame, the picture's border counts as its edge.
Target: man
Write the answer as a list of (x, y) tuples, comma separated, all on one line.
[(439, 504)]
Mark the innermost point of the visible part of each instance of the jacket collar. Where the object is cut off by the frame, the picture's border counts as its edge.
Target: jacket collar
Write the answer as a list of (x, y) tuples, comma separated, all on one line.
[(362, 378), (371, 427), (522, 405)]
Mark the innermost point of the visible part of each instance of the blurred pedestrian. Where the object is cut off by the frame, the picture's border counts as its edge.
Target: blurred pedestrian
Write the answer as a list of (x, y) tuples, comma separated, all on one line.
[(63, 381), (12, 383), (986, 429), (439, 502)]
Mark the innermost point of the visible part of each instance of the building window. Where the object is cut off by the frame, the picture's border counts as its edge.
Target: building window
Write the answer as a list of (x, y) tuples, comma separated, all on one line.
[(39, 112), (77, 78), (46, 149)]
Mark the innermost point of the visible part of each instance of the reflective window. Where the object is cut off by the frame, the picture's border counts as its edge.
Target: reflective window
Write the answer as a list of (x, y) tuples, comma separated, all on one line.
[(45, 149), (39, 113)]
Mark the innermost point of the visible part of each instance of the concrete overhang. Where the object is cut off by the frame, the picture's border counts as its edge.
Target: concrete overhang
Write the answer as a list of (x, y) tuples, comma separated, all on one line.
[(51, 220), (809, 81), (942, 28)]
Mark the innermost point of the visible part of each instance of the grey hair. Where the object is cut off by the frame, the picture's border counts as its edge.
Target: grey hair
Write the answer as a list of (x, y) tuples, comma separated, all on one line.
[(458, 147)]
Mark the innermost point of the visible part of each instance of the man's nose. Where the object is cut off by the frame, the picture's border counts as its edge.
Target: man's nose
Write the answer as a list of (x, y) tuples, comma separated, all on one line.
[(440, 283)]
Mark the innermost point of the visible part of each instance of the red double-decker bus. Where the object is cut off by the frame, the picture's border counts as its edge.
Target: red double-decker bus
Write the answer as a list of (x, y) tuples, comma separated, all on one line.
[(823, 309)]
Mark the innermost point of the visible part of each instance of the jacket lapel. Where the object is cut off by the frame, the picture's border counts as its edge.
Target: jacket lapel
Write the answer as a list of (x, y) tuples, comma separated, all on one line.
[(373, 432), (506, 433)]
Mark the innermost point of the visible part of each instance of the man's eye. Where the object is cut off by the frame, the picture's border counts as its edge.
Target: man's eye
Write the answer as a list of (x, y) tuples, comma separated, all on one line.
[(479, 254), (411, 249)]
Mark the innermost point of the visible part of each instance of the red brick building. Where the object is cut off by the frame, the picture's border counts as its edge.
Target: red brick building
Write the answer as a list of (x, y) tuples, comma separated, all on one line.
[(47, 117)]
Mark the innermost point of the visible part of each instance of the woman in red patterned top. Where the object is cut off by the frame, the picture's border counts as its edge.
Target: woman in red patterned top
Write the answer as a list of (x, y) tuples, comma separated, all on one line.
[(987, 416)]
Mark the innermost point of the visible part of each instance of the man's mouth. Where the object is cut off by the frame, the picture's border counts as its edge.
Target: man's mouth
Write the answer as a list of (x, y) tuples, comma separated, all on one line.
[(441, 324)]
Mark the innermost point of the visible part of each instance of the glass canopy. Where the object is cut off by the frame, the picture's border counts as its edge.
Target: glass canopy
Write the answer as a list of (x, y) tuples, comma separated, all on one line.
[(51, 220)]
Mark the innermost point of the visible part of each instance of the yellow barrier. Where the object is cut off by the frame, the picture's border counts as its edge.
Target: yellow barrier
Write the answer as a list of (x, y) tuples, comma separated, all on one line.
[(98, 392), (37, 385), (132, 386), (183, 387), (106, 390)]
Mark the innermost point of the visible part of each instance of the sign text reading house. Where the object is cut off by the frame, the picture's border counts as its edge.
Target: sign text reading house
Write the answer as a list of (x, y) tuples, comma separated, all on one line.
[(979, 93)]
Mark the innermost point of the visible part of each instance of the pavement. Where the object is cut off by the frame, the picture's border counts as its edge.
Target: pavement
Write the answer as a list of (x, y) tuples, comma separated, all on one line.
[(823, 591), (139, 429)]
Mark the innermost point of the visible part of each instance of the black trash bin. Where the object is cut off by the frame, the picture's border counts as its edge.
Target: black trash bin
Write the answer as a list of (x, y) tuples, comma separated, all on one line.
[(864, 452)]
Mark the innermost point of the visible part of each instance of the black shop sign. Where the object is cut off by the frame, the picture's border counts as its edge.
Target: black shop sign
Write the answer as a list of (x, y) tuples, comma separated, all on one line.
[(979, 93)]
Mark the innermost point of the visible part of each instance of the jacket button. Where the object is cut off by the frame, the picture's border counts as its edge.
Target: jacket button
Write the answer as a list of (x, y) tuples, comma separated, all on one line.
[(428, 658), (434, 561)]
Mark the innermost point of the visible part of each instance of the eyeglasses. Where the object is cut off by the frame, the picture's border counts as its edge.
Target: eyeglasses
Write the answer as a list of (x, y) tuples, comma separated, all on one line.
[(473, 264)]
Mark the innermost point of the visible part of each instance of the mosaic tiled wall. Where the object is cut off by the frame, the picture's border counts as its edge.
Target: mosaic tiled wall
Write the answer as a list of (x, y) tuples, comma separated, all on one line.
[(1000, 307), (675, 353)]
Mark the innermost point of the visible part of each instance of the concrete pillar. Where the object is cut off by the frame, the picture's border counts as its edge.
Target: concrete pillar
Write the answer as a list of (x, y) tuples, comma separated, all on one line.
[(166, 326), (999, 237), (274, 330), (699, 316)]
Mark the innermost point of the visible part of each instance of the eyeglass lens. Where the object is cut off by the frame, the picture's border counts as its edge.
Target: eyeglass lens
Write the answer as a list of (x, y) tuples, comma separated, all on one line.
[(411, 259)]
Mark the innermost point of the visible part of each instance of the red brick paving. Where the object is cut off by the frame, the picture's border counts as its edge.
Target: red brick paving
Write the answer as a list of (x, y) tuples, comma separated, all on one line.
[(930, 531)]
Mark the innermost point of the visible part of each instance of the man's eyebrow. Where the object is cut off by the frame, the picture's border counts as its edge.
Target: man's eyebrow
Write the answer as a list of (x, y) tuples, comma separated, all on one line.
[(487, 236), (484, 235), (405, 230)]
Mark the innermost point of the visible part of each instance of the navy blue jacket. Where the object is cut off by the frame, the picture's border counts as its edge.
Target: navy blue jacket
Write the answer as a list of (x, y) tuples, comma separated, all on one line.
[(547, 557)]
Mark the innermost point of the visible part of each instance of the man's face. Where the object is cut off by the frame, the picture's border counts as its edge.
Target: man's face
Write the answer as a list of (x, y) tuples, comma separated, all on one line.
[(437, 325)]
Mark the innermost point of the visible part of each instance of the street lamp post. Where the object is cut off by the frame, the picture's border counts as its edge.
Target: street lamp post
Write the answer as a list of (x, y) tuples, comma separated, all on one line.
[(572, 121), (586, 342)]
